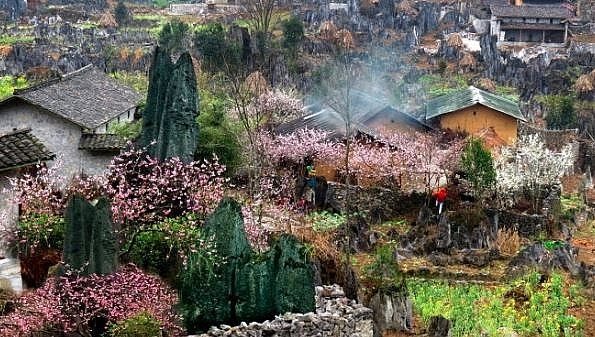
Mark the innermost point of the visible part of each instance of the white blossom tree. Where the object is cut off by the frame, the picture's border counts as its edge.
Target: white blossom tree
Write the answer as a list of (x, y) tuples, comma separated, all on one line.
[(528, 168)]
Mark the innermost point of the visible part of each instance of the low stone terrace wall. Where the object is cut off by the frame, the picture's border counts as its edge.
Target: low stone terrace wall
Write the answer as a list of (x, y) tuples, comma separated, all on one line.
[(336, 316)]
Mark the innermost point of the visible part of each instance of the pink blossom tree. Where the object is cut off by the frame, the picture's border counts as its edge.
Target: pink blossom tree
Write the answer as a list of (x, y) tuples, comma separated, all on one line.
[(72, 304)]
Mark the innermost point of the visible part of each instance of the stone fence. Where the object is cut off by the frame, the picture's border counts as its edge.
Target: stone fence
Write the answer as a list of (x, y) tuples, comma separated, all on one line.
[(336, 316)]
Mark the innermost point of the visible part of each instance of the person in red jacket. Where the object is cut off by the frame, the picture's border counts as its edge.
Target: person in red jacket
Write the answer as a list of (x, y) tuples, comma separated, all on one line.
[(440, 196)]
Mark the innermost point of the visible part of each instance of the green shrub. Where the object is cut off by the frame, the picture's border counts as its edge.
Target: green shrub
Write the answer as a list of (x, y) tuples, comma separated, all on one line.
[(293, 32), (384, 270), (571, 204), (151, 252), (478, 165), (217, 135), (41, 230), (126, 130), (137, 80), (160, 247), (560, 111), (8, 83), (141, 325), (326, 221)]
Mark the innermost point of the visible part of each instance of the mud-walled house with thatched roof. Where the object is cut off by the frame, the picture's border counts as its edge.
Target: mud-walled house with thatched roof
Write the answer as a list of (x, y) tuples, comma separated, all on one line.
[(472, 111), (70, 116), (531, 21)]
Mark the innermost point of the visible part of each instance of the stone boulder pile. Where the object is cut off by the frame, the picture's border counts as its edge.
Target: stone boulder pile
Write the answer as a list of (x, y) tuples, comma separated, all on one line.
[(335, 316)]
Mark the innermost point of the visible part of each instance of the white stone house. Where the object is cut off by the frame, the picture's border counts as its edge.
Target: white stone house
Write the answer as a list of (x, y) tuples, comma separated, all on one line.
[(71, 116)]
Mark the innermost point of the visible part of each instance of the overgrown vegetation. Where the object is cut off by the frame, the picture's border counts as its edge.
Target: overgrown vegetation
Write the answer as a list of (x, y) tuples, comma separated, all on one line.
[(528, 306), (8, 83)]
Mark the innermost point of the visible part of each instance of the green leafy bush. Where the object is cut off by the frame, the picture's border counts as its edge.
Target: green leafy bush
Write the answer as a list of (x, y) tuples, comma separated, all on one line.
[(40, 230), (127, 130), (326, 221), (293, 32), (217, 133), (571, 204), (160, 247), (384, 270), (8, 83), (478, 165), (560, 112), (140, 325)]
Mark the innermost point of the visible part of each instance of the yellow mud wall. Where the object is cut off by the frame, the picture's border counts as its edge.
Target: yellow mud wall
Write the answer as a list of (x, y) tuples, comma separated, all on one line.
[(477, 117)]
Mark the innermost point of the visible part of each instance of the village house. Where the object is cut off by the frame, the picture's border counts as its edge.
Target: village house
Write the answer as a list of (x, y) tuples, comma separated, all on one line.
[(63, 120), (71, 116), (544, 21), (473, 110)]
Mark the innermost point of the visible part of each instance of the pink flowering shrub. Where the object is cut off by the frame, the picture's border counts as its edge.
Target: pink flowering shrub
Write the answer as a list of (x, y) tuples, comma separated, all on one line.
[(72, 304), (142, 189)]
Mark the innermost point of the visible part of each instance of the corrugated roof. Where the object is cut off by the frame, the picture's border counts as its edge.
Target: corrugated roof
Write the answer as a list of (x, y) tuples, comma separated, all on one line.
[(101, 142), (531, 11), (21, 148), (468, 97), (87, 97)]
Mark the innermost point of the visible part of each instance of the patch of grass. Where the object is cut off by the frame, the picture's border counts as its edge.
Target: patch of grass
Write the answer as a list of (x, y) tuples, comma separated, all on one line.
[(507, 92), (14, 39), (571, 204), (325, 221), (528, 306), (147, 17)]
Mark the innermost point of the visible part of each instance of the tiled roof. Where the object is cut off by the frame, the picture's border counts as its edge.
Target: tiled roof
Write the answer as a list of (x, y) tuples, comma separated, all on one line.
[(468, 97), (531, 11), (21, 148), (364, 108), (87, 97), (101, 142)]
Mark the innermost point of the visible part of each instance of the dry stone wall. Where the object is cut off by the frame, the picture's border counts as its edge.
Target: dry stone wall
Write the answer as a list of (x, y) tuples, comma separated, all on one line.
[(336, 316)]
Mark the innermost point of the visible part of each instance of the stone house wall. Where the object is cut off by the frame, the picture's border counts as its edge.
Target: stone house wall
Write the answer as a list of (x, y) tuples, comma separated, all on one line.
[(381, 203), (59, 135), (336, 316)]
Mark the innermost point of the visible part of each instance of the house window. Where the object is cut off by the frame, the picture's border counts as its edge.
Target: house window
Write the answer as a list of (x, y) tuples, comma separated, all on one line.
[(474, 113)]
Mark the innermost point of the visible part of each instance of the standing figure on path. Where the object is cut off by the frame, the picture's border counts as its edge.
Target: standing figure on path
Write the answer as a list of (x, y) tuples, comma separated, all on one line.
[(440, 196)]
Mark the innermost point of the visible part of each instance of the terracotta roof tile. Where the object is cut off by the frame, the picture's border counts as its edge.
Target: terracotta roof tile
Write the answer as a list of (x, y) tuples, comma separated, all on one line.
[(21, 148)]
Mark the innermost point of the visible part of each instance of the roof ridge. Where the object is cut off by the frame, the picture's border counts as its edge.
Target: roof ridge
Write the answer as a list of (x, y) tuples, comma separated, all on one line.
[(14, 132), (55, 80), (79, 71)]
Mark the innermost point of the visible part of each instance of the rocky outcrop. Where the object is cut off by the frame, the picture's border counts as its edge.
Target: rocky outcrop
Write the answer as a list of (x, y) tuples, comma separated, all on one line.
[(391, 312), (335, 316), (381, 203), (538, 257)]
